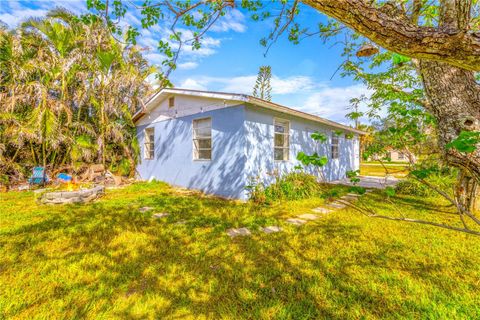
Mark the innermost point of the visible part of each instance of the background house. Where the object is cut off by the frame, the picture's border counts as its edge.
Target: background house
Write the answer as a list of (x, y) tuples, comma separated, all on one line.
[(215, 142), (395, 155)]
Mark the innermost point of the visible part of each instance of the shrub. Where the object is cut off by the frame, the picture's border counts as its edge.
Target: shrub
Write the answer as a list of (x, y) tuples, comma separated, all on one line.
[(441, 178), (413, 188), (292, 186)]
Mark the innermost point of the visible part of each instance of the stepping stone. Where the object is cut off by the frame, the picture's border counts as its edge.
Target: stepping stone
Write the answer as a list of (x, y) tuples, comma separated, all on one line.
[(349, 198), (321, 210), (356, 195), (238, 232), (297, 222), (308, 216), (160, 215), (181, 222), (336, 205), (145, 209), (271, 229)]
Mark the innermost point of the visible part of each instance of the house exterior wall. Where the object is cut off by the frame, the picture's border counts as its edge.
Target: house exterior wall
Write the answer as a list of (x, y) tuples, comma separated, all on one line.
[(242, 146), (173, 162), (260, 145), (184, 106)]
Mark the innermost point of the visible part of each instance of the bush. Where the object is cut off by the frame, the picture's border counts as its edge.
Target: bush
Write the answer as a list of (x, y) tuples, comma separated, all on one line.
[(441, 178), (292, 186), (413, 188)]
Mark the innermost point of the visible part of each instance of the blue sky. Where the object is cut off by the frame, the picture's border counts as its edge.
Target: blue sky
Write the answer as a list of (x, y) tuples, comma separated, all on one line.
[(231, 55)]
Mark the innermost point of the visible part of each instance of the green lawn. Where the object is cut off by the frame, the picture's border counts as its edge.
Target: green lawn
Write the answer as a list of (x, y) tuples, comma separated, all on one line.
[(107, 260), (376, 169)]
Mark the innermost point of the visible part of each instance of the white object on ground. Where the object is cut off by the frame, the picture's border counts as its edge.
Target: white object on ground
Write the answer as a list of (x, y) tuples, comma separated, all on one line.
[(271, 229), (238, 232)]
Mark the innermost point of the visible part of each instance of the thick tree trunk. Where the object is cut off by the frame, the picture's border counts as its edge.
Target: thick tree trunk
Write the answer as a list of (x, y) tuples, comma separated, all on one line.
[(454, 100)]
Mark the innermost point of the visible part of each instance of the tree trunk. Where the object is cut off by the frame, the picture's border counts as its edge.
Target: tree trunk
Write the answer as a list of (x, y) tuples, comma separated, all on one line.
[(454, 100)]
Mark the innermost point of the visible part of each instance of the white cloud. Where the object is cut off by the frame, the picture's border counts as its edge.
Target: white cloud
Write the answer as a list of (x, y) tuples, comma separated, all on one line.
[(15, 12), (234, 20), (192, 84), (189, 65), (333, 102), (244, 84), (154, 58), (18, 16), (292, 84)]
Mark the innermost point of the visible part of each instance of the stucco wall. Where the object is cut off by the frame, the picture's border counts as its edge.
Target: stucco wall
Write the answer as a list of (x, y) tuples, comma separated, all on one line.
[(242, 146), (224, 175), (259, 146), (184, 106)]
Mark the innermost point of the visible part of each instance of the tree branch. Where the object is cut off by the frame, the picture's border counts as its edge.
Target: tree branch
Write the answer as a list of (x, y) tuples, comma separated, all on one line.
[(389, 27)]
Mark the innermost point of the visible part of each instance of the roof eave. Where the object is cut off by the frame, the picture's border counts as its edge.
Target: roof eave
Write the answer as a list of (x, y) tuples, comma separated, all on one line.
[(197, 93), (301, 114)]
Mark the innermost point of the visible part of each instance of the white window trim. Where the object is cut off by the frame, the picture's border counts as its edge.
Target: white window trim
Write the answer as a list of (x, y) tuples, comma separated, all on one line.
[(146, 136), (287, 134), (193, 140)]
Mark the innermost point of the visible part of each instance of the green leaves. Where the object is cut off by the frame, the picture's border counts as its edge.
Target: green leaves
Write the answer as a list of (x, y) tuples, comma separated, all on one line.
[(314, 159), (398, 59), (105, 59), (466, 142), (353, 176), (390, 191), (318, 136)]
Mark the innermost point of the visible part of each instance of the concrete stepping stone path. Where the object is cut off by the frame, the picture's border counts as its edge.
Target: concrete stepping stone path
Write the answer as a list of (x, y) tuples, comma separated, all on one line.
[(356, 195), (322, 210), (297, 222), (308, 216), (271, 229), (336, 205), (238, 232), (331, 207), (160, 215), (145, 209), (349, 198)]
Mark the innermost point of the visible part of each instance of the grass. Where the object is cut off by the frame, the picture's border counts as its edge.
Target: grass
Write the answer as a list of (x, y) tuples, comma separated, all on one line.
[(107, 260), (397, 170)]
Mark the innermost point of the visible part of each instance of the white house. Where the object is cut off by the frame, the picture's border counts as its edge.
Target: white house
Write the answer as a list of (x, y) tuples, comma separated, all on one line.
[(215, 141)]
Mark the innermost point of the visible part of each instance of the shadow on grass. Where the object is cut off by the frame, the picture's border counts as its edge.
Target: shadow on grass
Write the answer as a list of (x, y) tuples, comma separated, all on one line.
[(131, 266)]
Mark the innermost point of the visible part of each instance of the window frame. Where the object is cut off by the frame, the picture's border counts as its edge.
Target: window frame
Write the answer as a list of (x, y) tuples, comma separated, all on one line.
[(195, 150), (335, 147), (171, 102), (149, 143), (286, 134)]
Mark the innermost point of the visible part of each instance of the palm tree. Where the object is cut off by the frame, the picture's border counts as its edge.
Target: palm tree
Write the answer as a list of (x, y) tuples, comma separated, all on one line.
[(70, 90)]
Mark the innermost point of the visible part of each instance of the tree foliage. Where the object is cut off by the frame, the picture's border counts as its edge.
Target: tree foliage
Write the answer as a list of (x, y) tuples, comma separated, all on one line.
[(68, 92), (263, 88)]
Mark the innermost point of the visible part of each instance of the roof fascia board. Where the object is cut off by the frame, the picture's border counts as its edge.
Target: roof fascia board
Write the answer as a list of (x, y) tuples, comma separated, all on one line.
[(242, 98), (300, 114)]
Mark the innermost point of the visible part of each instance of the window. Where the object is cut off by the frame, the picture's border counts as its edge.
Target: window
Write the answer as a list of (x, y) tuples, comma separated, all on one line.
[(149, 143), (171, 102), (281, 140), (401, 156), (202, 139), (334, 146)]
